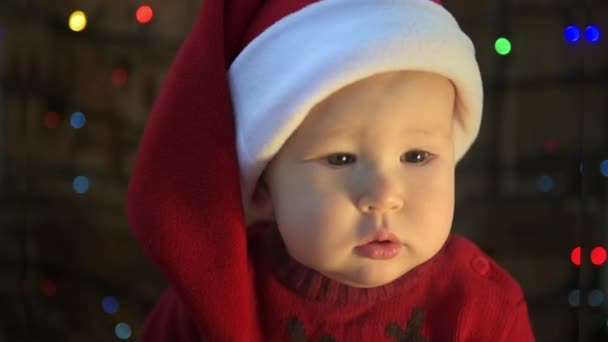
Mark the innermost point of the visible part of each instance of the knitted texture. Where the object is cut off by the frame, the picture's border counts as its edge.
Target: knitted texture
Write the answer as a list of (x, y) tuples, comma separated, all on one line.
[(458, 295)]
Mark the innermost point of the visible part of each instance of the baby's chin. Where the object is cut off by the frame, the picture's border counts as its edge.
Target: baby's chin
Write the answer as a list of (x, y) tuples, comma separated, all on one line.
[(370, 276)]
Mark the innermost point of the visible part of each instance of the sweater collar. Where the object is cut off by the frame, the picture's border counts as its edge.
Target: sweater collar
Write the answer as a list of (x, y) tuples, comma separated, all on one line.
[(317, 287)]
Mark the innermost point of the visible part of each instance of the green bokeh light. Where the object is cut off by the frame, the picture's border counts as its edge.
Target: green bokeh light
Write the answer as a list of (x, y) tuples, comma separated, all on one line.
[(503, 46)]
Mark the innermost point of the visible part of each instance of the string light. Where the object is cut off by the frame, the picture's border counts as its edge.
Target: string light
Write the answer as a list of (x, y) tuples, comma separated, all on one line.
[(48, 288), (122, 331), (51, 120), (572, 33), (595, 298), (144, 14), (545, 183), (604, 168), (77, 21), (502, 46), (550, 146), (81, 184), (119, 77), (592, 33), (574, 298), (575, 256), (110, 305), (598, 256), (77, 120)]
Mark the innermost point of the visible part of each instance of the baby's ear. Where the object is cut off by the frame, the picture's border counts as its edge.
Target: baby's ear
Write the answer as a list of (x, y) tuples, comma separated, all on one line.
[(263, 209)]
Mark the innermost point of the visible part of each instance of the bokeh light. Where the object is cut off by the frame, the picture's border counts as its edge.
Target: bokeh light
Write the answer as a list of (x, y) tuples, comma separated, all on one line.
[(550, 146), (123, 331), (81, 184), (574, 298), (595, 298), (502, 46), (48, 288), (545, 183), (144, 14), (598, 256), (51, 120), (575, 256), (77, 120), (604, 168), (592, 33), (77, 21), (110, 305), (119, 77), (572, 33)]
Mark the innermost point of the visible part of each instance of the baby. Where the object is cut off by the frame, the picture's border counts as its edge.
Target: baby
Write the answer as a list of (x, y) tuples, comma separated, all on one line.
[(295, 180)]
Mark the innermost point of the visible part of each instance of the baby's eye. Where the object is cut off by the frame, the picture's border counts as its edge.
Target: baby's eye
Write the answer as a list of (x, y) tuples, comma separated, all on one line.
[(416, 156), (339, 159)]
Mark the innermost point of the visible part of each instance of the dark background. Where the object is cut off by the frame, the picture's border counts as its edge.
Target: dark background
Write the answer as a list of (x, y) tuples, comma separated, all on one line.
[(530, 191)]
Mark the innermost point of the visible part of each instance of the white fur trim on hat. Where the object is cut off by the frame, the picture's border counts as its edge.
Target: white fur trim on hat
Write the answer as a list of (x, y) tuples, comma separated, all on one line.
[(305, 56)]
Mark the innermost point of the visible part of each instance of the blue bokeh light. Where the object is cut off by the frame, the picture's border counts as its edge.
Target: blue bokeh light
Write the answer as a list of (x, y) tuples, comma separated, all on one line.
[(123, 331), (545, 183), (110, 305), (81, 184), (596, 297), (592, 33), (572, 33), (77, 120), (574, 298), (604, 168)]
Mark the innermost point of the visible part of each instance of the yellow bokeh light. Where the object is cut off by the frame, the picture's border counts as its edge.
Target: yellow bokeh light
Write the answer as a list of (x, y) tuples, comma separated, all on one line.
[(78, 21)]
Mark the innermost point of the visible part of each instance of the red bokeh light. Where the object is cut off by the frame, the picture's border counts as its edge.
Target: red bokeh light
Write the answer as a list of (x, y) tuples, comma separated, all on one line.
[(48, 288), (575, 256), (51, 120), (144, 14), (598, 256), (550, 146), (119, 77)]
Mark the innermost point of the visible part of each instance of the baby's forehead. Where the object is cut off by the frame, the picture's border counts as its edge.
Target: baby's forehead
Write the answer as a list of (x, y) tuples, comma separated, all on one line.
[(389, 105), (370, 124)]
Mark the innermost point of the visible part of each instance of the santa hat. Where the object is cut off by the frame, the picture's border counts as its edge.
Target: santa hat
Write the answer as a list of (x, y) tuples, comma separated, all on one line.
[(299, 52)]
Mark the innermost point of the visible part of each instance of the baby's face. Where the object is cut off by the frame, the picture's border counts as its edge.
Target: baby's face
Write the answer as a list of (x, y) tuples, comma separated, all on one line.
[(377, 154)]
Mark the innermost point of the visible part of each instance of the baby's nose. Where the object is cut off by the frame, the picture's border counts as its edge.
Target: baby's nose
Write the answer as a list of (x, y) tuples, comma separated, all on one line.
[(390, 202)]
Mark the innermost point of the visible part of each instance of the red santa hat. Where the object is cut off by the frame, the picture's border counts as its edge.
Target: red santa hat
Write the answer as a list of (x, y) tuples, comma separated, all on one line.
[(297, 53)]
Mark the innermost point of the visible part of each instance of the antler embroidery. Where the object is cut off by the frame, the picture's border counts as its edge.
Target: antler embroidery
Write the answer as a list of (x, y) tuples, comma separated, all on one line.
[(413, 331), (297, 333)]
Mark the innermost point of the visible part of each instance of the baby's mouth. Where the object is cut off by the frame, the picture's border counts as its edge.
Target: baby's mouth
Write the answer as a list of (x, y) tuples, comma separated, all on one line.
[(379, 249), (380, 236)]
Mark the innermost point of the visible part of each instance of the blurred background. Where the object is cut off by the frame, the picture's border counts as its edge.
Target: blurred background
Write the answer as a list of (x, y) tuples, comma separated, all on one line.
[(78, 78)]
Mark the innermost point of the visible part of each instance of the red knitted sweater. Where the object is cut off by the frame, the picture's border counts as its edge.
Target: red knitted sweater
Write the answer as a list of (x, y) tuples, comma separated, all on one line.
[(458, 295), (229, 282)]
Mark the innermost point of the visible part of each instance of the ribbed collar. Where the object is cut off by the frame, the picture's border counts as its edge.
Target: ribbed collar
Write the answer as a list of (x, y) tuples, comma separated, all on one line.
[(318, 287)]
